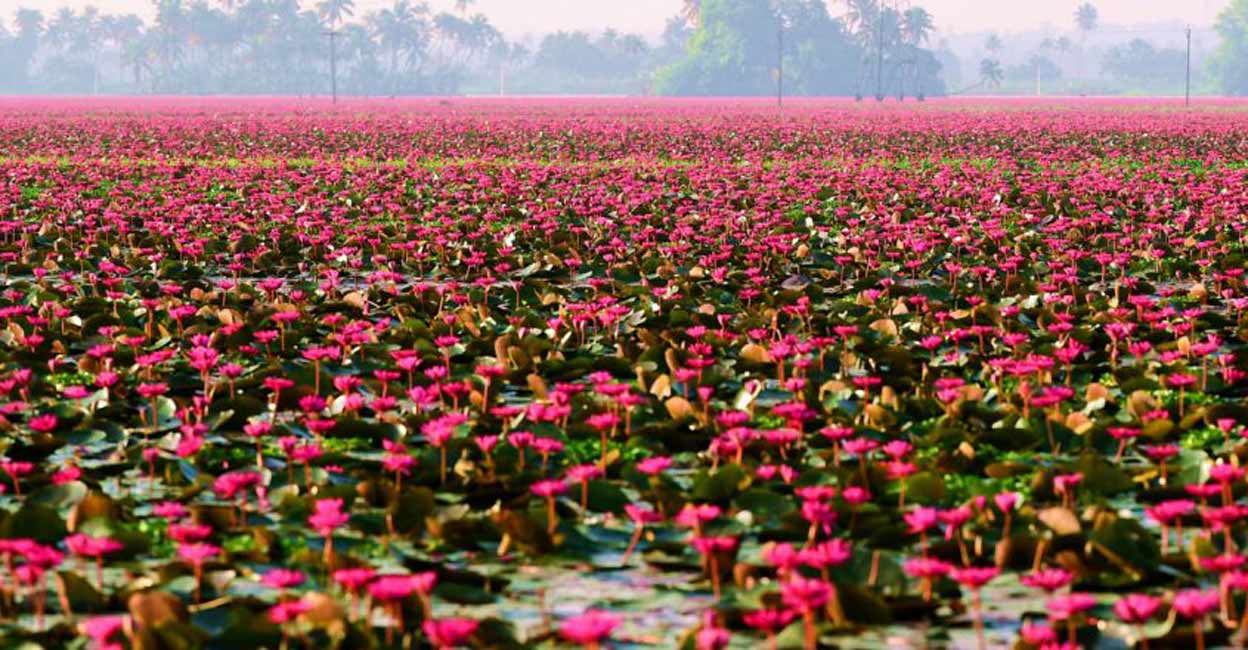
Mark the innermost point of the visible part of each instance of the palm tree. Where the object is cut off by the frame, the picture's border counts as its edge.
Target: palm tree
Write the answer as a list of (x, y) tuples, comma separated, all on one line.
[(360, 53), (29, 24), (170, 30), (917, 26), (137, 55), (334, 11), (401, 31), (1086, 17), (78, 38), (993, 43), (860, 18), (122, 30), (990, 73), (692, 12)]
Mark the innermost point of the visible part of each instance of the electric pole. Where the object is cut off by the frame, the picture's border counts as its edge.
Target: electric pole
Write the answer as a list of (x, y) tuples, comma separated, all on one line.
[(1187, 87), (780, 62), (879, 53), (333, 65)]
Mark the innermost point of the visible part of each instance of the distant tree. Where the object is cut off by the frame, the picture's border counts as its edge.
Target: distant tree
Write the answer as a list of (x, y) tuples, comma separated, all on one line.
[(990, 75), (950, 65), (675, 38), (1230, 64), (1139, 62), (30, 29), (993, 43), (1036, 69), (861, 17), (170, 30), (76, 40), (402, 32), (122, 31), (691, 11), (1086, 18), (917, 25), (334, 11), (733, 50)]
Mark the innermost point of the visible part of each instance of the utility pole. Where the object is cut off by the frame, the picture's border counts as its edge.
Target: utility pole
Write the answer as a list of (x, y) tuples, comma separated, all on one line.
[(879, 53), (780, 62), (333, 65), (1187, 88)]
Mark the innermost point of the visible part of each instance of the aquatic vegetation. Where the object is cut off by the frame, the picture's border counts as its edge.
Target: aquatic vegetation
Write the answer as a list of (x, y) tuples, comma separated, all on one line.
[(504, 374)]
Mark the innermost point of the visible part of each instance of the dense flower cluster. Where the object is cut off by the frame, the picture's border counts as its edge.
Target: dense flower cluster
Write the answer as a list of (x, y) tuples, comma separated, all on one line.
[(485, 374)]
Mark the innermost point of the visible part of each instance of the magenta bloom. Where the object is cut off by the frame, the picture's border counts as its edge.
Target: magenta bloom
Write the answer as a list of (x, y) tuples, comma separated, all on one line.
[(549, 488), (353, 579), (974, 577), (197, 553), (653, 465), (449, 632), (590, 628), (1137, 608), (805, 594), (328, 516), (101, 629), (1049, 580), (288, 611), (1067, 606), (282, 578), (86, 545), (1195, 604)]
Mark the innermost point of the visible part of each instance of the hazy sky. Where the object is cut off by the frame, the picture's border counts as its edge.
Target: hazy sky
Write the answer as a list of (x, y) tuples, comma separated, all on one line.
[(520, 17)]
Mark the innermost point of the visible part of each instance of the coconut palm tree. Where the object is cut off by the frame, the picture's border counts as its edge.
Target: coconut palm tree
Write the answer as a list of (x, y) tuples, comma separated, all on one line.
[(915, 30), (171, 32), (401, 31), (917, 26), (333, 12), (138, 55), (122, 30), (692, 12), (860, 18), (990, 73), (29, 23), (993, 43), (1086, 19)]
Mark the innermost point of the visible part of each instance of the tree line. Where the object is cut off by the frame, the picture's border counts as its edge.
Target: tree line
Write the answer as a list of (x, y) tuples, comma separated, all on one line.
[(714, 47)]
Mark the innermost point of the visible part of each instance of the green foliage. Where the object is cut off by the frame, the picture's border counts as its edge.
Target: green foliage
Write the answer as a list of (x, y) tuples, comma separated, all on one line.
[(1140, 62), (1231, 63), (734, 52)]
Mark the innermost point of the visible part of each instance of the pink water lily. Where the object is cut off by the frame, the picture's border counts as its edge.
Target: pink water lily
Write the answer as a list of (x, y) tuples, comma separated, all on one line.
[(908, 351)]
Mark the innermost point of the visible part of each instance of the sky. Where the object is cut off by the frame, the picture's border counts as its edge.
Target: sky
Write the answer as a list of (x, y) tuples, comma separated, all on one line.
[(517, 18)]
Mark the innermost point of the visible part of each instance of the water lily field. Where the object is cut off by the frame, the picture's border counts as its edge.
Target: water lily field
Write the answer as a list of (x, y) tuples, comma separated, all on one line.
[(510, 374)]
